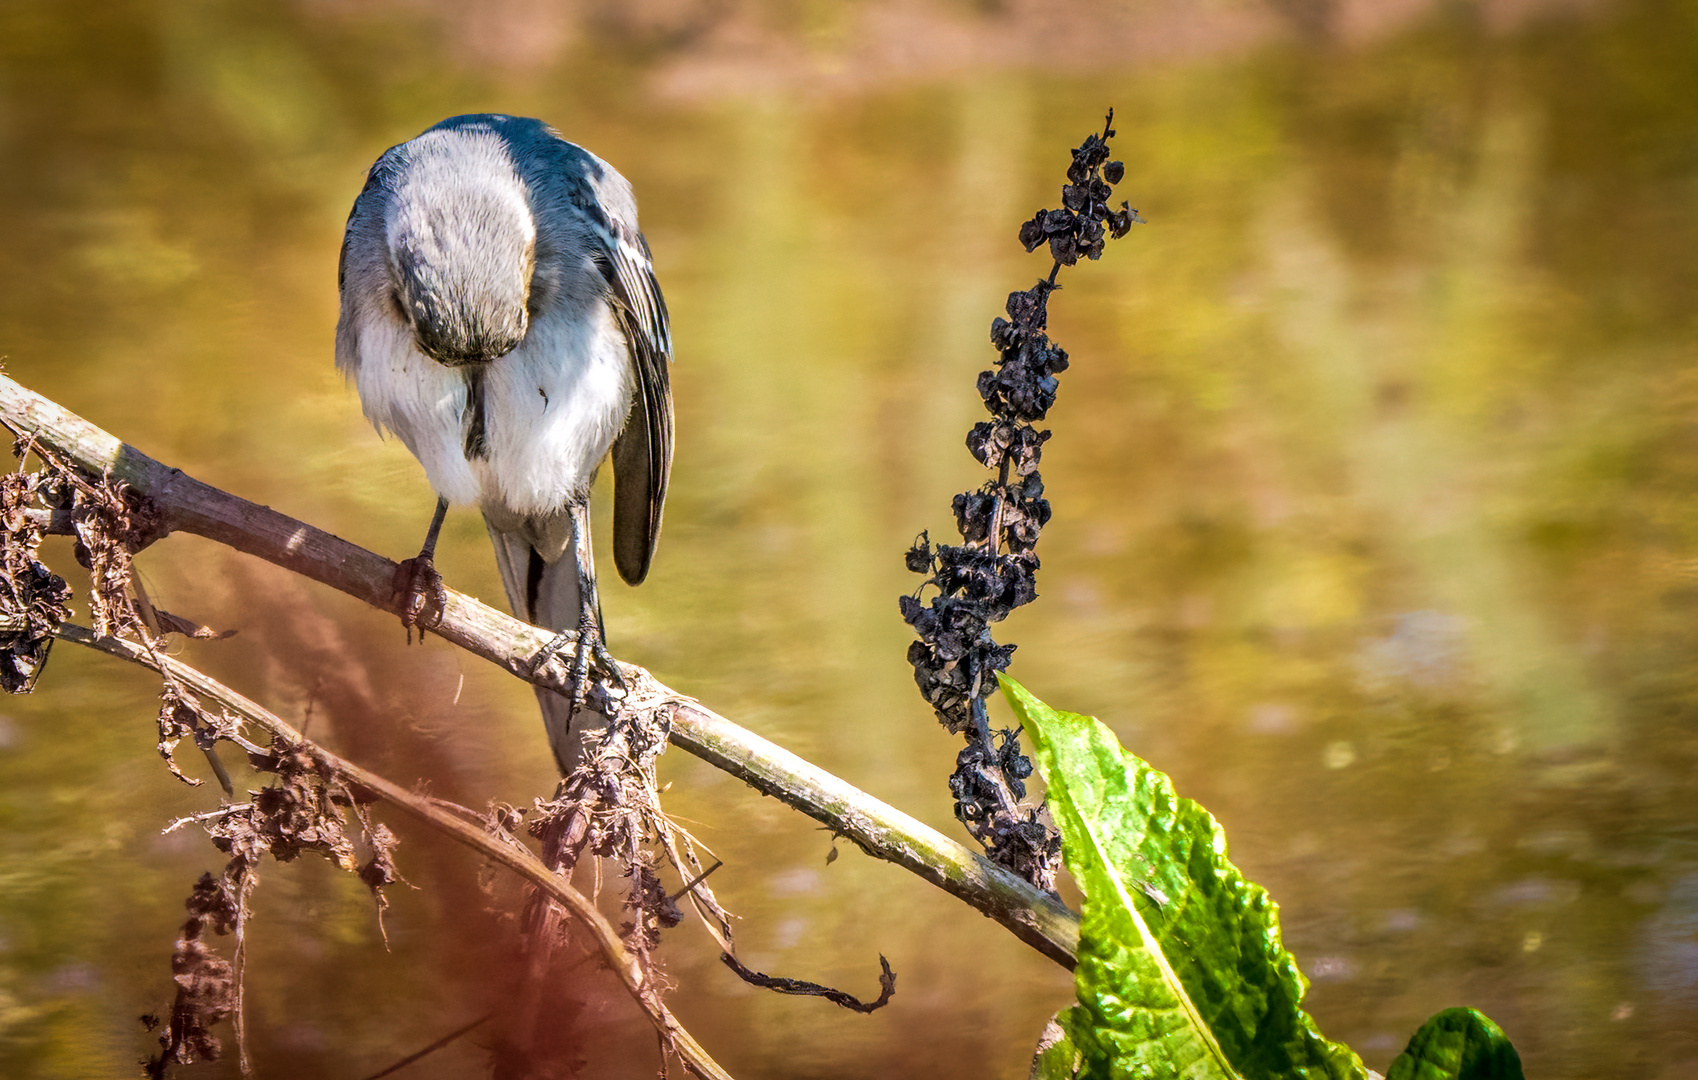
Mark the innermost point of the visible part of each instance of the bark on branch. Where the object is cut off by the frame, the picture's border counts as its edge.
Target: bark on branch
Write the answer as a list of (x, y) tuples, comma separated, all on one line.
[(184, 504)]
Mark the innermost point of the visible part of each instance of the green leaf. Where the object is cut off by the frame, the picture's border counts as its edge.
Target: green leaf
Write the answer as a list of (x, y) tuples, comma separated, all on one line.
[(1057, 1056), (1181, 971), (1457, 1044)]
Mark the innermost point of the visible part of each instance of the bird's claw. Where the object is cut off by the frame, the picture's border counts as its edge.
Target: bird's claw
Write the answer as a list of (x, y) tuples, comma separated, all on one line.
[(591, 649), (417, 589), (608, 665), (588, 651)]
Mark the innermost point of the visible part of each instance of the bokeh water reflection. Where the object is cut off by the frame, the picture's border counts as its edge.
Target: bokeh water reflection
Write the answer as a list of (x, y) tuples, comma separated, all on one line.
[(1373, 480)]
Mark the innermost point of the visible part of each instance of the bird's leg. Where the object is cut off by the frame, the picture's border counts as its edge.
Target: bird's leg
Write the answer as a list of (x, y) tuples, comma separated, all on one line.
[(592, 644), (417, 587), (588, 639)]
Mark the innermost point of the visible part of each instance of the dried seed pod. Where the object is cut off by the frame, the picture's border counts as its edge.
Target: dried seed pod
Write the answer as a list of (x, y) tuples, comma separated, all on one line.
[(994, 569)]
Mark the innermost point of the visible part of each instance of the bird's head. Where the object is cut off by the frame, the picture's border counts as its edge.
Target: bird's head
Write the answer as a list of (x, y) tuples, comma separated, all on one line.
[(462, 246)]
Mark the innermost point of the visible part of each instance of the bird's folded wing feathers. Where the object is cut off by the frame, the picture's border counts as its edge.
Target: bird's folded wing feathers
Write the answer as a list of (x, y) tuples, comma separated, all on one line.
[(642, 455)]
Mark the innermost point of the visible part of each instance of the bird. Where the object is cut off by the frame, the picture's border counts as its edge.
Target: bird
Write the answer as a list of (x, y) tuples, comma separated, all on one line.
[(500, 316)]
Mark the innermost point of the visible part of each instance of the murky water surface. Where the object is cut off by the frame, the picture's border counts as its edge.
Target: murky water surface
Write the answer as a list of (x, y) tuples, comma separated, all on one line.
[(1373, 479)]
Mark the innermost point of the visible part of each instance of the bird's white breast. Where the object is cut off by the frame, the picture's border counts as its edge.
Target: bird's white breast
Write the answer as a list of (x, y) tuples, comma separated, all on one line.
[(552, 407)]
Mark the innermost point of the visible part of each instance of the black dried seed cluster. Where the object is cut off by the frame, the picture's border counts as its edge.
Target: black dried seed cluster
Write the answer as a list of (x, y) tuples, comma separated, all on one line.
[(1077, 228), (994, 569)]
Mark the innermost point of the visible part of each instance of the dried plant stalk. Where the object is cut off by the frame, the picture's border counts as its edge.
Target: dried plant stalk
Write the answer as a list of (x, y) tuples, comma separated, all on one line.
[(993, 570)]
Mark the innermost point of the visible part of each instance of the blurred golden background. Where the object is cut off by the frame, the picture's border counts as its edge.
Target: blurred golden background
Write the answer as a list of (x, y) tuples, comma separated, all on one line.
[(1373, 481)]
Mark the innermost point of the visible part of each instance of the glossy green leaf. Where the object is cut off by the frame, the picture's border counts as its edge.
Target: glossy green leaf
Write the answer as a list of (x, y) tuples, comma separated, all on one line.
[(1181, 970), (1457, 1044), (1057, 1056)]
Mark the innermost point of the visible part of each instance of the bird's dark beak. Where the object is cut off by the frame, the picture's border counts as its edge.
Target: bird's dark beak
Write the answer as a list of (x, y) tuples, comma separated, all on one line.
[(465, 325), (456, 342)]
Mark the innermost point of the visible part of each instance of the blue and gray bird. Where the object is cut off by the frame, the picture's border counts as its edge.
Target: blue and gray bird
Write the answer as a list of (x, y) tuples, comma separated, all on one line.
[(500, 315)]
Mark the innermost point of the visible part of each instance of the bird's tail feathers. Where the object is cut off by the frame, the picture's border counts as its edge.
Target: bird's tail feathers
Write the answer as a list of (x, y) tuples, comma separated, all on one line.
[(545, 593)]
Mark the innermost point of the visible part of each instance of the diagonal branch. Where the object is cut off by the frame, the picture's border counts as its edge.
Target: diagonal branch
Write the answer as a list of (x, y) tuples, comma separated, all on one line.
[(512, 856), (183, 504)]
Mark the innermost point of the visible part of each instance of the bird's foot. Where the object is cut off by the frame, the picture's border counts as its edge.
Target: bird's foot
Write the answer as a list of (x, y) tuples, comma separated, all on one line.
[(591, 647), (417, 589), (588, 650)]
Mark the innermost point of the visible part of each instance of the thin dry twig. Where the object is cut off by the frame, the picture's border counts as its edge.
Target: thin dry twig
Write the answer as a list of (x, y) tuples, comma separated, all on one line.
[(431, 1049)]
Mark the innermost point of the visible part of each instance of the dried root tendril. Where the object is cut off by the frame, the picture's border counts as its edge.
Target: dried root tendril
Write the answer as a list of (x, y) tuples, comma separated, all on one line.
[(33, 599), (302, 812), (886, 982), (608, 807)]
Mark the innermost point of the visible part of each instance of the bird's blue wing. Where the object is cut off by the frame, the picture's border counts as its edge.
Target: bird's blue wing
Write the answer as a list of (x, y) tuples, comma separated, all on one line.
[(642, 454)]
